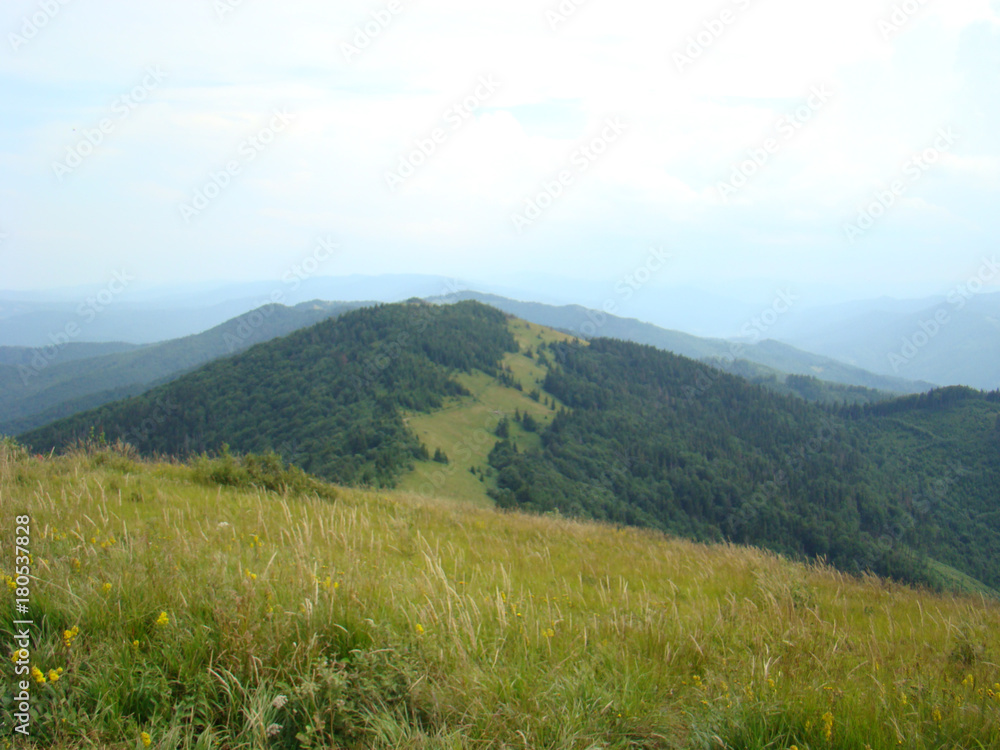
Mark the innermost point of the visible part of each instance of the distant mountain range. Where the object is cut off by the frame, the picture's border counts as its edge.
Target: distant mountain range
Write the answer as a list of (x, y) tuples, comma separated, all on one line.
[(771, 354), (902, 340), (92, 314), (40, 385), (953, 340)]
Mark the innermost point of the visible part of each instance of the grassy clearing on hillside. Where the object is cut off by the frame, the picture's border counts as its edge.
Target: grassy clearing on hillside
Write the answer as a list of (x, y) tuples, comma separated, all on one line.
[(197, 616), (465, 428)]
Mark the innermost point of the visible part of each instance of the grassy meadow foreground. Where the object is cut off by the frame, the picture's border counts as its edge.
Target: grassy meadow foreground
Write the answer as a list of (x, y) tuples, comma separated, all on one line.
[(187, 606)]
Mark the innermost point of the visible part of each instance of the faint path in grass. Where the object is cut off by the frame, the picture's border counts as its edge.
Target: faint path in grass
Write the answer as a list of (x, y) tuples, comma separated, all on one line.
[(465, 428)]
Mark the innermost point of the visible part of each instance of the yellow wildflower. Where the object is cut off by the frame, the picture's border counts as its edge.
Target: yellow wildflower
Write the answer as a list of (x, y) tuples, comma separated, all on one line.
[(135, 644), (10, 583), (69, 635), (420, 629), (162, 619), (549, 633), (936, 715), (251, 576), (146, 739), (827, 725), (969, 681), (37, 674), (53, 676), (106, 588)]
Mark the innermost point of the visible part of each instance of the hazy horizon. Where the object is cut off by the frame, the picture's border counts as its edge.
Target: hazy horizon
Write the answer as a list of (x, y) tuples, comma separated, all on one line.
[(849, 150)]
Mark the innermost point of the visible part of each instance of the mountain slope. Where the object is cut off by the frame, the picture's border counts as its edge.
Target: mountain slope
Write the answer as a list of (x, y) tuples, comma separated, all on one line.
[(465, 427), (332, 395), (388, 620), (31, 324), (46, 385), (652, 439), (606, 429), (23, 355), (807, 387)]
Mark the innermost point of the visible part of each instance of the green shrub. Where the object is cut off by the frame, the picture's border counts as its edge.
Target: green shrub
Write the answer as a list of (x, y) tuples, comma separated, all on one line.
[(266, 471)]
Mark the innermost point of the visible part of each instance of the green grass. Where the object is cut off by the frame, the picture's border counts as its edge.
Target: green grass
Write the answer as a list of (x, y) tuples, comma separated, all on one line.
[(956, 580), (465, 427), (394, 620)]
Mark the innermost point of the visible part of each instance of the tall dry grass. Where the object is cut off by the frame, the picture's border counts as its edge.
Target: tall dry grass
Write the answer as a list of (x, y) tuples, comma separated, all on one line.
[(213, 616)]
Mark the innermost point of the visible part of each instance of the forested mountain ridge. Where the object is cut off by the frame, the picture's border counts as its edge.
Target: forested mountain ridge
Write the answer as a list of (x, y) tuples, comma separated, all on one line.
[(777, 356), (617, 431), (330, 396), (23, 355), (807, 387), (651, 439), (41, 385)]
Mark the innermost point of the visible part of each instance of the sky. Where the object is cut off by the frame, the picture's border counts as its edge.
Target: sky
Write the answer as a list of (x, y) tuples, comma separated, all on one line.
[(850, 146)]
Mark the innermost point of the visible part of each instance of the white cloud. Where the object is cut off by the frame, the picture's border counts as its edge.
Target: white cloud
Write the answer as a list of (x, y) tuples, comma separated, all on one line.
[(354, 121)]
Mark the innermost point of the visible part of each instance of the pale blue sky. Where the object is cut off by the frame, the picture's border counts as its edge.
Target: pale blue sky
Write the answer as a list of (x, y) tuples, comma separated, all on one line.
[(212, 73)]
